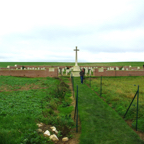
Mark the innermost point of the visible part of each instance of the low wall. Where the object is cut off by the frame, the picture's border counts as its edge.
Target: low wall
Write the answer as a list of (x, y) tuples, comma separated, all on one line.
[(30, 73), (117, 73)]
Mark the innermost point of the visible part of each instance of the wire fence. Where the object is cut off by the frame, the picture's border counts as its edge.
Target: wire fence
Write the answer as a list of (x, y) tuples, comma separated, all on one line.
[(136, 94)]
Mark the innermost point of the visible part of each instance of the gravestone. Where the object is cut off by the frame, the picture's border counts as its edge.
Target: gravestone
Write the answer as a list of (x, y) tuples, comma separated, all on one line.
[(117, 68), (67, 71), (100, 70), (86, 71), (90, 72), (51, 69)]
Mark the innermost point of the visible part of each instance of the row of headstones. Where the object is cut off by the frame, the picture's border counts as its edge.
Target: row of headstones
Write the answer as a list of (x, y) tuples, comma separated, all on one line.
[(88, 70), (30, 68), (68, 71), (117, 68)]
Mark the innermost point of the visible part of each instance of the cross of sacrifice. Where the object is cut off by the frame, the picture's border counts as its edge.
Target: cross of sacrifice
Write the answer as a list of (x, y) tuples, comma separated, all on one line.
[(76, 56)]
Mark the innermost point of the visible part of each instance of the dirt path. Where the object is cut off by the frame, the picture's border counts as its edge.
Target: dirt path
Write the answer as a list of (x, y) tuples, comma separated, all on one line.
[(75, 138)]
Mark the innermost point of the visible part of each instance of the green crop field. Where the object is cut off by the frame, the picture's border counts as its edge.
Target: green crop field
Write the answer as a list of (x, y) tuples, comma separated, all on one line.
[(118, 92), (5, 64), (24, 102)]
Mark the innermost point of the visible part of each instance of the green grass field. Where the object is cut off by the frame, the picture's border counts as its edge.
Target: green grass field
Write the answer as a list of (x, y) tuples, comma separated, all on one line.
[(24, 102), (5, 64), (118, 92), (100, 124)]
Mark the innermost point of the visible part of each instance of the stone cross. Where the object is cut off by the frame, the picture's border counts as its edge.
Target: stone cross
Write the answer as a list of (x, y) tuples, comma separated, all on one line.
[(76, 56)]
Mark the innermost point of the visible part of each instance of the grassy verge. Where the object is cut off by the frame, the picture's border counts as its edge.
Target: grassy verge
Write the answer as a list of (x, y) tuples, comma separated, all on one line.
[(100, 123), (45, 100)]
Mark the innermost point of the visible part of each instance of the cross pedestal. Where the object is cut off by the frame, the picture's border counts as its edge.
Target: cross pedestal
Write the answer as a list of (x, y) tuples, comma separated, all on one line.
[(76, 68)]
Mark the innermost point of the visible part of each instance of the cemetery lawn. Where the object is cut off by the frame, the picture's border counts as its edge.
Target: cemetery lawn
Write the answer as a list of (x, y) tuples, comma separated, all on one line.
[(118, 92), (5, 64), (100, 124), (24, 102)]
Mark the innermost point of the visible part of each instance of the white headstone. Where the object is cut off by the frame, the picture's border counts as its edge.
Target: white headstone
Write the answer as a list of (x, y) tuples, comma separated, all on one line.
[(117, 68), (100, 70), (90, 72), (86, 70), (51, 69)]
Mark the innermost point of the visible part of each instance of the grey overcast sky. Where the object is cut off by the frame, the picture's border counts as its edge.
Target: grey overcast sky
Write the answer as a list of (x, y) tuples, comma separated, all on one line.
[(49, 30)]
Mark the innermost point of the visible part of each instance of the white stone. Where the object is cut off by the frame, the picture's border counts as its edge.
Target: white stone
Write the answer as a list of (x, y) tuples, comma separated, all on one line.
[(126, 68), (15, 65), (35, 68), (138, 67), (39, 124), (54, 138), (65, 139), (21, 68), (24, 68), (54, 130), (38, 68), (39, 130), (16, 68), (47, 133)]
